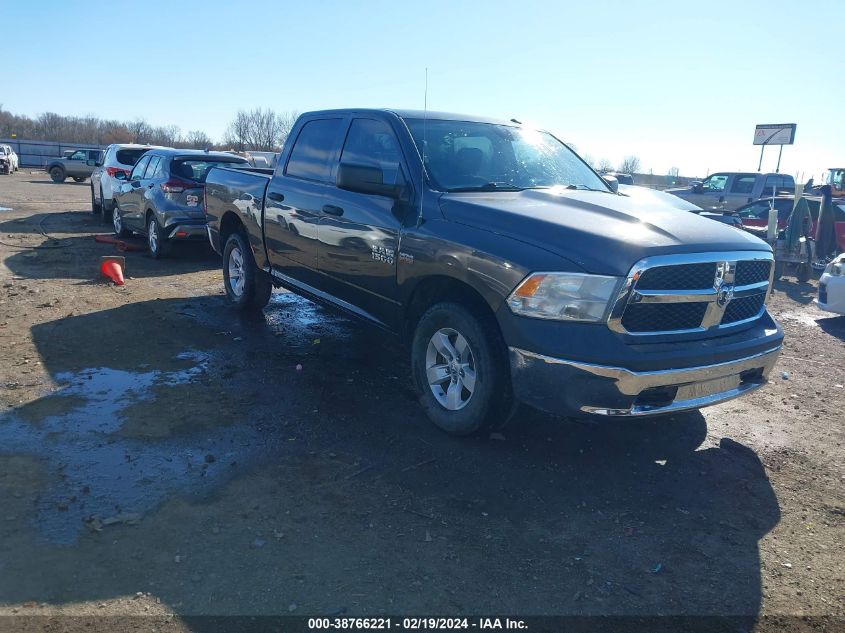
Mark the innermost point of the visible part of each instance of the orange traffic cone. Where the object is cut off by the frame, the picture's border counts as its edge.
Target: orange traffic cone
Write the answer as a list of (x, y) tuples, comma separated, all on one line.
[(112, 267)]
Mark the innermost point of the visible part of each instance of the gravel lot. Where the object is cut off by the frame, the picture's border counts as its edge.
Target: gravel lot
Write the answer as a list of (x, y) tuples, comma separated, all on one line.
[(161, 454)]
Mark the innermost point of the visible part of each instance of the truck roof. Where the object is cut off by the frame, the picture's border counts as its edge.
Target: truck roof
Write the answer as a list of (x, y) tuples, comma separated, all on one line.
[(416, 114)]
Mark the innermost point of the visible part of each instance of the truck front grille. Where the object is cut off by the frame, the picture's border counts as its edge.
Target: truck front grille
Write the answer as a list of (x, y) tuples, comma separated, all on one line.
[(654, 317), (689, 293)]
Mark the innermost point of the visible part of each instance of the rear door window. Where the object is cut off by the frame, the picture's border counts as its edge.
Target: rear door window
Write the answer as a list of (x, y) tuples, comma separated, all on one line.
[(315, 146), (743, 184), (129, 157), (152, 166)]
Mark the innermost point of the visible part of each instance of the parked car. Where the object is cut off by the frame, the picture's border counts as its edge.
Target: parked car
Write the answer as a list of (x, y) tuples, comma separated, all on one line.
[(730, 190), (510, 267), (832, 286), (650, 196), (163, 196), (621, 178), (8, 156), (117, 159), (756, 214), (79, 165)]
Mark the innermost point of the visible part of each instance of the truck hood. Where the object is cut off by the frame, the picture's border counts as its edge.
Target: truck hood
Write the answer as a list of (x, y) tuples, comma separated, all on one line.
[(600, 232)]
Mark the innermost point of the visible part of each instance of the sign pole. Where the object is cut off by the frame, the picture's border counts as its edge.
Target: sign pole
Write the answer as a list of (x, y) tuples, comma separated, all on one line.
[(760, 164), (780, 153)]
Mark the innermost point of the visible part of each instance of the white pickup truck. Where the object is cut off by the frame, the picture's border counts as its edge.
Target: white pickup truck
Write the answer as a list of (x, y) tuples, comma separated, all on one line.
[(8, 160)]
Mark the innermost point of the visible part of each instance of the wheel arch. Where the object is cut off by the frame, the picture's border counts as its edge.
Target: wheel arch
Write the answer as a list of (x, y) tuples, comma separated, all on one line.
[(437, 289)]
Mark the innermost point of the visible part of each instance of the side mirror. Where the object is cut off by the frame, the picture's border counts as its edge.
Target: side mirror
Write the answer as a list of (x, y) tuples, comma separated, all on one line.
[(91, 163), (696, 186), (612, 182), (119, 175), (365, 179)]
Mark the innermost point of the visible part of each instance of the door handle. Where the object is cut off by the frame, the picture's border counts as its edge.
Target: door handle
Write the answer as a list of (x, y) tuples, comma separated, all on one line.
[(275, 196), (332, 210)]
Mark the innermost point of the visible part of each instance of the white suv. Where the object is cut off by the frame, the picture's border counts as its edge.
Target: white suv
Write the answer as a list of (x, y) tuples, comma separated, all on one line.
[(116, 159), (8, 153)]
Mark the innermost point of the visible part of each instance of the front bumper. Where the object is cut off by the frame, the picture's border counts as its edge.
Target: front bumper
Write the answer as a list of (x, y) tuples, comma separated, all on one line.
[(571, 387), (831, 293)]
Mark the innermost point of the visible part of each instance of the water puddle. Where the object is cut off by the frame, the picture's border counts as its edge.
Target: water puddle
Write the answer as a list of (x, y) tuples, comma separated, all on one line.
[(94, 471), (300, 321)]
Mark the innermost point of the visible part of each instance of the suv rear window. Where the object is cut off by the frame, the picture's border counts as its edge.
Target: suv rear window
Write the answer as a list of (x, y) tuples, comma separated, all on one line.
[(197, 170), (129, 157)]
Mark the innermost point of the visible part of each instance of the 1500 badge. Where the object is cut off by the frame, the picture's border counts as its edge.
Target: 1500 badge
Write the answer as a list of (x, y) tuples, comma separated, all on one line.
[(383, 254)]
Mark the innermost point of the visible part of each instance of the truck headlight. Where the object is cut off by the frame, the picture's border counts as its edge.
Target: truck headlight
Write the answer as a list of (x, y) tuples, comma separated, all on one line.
[(836, 268), (564, 296)]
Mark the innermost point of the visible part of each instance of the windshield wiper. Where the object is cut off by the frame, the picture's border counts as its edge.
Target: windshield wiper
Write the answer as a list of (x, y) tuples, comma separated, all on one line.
[(586, 188), (488, 186)]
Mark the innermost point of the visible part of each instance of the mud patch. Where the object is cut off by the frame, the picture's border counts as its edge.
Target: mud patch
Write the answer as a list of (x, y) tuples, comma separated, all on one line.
[(96, 468)]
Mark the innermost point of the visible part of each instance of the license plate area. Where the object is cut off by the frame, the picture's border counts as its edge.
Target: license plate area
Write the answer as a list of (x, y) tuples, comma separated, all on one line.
[(706, 388)]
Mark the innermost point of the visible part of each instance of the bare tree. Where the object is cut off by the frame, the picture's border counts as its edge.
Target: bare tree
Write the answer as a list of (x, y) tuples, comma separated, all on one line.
[(674, 172), (630, 165), (589, 160), (286, 121), (198, 140), (237, 134), (605, 165)]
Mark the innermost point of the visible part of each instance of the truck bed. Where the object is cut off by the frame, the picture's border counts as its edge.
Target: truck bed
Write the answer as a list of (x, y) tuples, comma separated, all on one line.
[(241, 191)]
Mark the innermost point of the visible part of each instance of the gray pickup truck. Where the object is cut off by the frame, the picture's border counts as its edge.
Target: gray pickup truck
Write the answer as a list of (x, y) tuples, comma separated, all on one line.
[(511, 269), (78, 164), (726, 191)]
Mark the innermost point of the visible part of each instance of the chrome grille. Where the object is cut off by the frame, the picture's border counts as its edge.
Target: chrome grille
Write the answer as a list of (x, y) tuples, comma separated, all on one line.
[(692, 293), (681, 277)]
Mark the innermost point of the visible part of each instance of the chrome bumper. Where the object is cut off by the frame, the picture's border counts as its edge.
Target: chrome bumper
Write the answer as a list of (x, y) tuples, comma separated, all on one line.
[(571, 387)]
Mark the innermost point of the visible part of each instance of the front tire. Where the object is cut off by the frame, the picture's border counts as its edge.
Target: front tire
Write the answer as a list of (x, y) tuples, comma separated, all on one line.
[(247, 287), (57, 174), (460, 369)]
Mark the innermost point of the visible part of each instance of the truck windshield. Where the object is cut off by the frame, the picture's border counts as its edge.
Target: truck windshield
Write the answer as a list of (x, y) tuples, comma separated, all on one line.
[(474, 156)]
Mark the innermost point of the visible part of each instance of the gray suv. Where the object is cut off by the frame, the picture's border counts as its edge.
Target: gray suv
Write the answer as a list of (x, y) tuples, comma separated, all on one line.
[(163, 196), (78, 164)]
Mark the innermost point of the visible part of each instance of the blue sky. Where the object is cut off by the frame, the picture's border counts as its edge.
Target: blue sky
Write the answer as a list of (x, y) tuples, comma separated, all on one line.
[(674, 83)]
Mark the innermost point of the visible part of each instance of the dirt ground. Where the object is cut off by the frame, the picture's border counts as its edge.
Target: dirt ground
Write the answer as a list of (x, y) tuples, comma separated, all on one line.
[(161, 454)]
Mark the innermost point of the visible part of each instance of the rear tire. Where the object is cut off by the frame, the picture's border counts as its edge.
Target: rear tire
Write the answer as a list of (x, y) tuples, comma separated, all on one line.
[(96, 208), (247, 286), (804, 272), (57, 174), (117, 223), (460, 369), (78, 179), (156, 240), (105, 208)]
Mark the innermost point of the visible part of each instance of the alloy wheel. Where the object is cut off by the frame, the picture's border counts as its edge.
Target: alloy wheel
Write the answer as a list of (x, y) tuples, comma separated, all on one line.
[(450, 369)]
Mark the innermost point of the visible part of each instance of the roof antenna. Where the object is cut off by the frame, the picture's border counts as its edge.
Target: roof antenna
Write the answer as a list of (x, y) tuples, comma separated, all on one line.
[(422, 171)]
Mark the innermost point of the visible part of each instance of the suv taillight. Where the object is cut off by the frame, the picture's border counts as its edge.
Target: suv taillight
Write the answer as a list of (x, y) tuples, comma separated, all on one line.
[(174, 185), (114, 171)]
